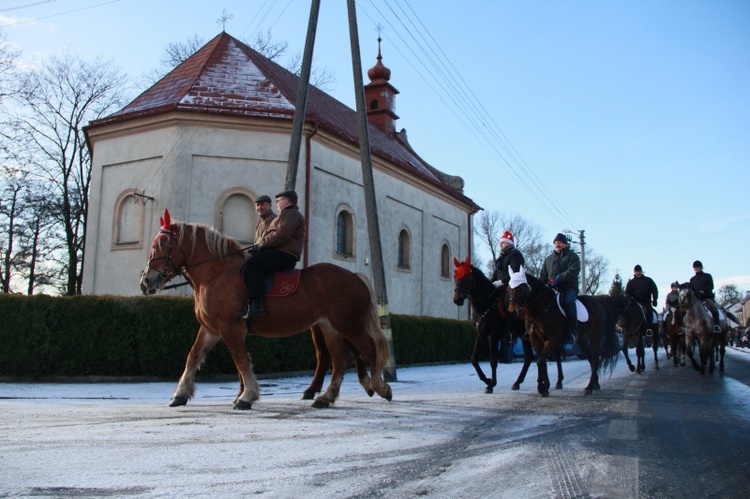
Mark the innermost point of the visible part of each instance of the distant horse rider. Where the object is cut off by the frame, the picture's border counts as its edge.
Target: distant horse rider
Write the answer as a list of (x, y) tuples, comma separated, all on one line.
[(702, 285), (509, 257), (561, 270), (280, 248), (643, 290)]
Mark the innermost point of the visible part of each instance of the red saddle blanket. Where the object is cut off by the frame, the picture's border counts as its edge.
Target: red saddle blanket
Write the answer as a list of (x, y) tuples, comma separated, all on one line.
[(282, 283)]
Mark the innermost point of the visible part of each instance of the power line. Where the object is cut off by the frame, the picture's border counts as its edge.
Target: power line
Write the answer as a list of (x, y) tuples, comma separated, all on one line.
[(58, 14)]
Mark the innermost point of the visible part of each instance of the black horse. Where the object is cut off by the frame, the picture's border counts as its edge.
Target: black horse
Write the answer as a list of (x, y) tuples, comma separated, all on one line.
[(490, 322), (633, 320), (547, 328)]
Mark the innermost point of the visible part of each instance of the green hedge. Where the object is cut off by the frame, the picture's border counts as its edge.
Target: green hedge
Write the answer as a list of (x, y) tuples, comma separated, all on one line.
[(43, 336)]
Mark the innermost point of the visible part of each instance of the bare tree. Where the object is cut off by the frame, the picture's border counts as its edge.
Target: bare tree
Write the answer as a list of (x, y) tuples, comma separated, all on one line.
[(12, 204), (729, 294), (526, 234), (596, 268), (52, 105)]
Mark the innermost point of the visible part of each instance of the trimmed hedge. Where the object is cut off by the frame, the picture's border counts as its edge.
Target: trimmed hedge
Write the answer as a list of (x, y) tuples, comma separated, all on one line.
[(43, 336)]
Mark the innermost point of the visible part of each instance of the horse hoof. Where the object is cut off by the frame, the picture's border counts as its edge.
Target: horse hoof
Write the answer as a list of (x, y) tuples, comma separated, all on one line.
[(308, 395), (241, 405), (516, 386), (320, 404), (370, 392), (544, 393), (588, 391), (178, 401), (558, 386), (632, 369), (488, 389)]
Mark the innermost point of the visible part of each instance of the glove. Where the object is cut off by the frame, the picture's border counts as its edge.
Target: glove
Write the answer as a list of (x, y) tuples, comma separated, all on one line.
[(554, 280), (498, 284)]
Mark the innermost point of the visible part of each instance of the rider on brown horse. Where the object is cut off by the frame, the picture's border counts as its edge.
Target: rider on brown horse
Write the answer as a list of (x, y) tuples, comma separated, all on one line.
[(279, 249), (509, 257), (561, 270)]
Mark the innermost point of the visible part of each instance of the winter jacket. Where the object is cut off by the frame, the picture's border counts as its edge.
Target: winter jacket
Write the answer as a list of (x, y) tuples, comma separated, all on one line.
[(509, 256), (641, 289), (703, 285), (286, 232), (566, 265), (263, 224)]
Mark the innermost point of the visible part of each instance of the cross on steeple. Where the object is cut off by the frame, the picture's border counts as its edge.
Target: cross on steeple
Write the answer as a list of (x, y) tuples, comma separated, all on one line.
[(225, 17)]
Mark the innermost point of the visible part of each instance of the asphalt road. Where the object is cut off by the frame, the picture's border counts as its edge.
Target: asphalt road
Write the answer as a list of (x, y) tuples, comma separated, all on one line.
[(663, 434)]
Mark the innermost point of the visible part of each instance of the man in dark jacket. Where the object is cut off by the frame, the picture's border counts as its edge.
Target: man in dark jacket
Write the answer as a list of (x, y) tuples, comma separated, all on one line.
[(509, 257), (702, 285), (561, 270), (643, 290), (280, 248)]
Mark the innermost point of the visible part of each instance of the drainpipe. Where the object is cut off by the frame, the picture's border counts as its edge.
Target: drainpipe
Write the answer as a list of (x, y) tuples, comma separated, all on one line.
[(308, 163)]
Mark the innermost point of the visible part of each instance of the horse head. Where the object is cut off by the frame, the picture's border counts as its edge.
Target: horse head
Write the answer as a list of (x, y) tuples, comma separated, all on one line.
[(163, 263), (686, 299), (518, 292), (464, 280)]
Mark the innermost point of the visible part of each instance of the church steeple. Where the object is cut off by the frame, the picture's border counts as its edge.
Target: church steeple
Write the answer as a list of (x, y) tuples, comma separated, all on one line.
[(380, 97)]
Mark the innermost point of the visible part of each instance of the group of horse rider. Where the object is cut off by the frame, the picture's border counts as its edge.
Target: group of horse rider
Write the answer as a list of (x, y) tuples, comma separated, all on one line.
[(560, 270), (278, 243), (562, 267)]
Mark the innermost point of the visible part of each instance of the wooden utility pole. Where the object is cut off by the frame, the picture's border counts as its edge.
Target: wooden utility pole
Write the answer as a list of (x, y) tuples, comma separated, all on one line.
[(373, 226), (301, 103)]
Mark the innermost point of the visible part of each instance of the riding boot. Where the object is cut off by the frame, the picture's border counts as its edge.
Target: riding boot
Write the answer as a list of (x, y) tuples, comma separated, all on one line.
[(253, 308), (572, 319)]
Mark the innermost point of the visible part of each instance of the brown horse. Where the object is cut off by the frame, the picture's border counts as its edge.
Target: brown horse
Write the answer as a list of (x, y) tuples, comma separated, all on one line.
[(547, 328), (336, 303), (699, 328), (674, 327)]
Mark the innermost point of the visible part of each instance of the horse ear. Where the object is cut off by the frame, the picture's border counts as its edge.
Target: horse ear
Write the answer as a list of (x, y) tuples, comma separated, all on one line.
[(161, 221), (167, 219), (467, 261), (456, 262)]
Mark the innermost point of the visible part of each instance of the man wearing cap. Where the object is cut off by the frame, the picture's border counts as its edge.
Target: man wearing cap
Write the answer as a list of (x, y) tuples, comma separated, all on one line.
[(278, 249), (643, 290), (509, 257), (561, 270), (702, 285), (265, 217)]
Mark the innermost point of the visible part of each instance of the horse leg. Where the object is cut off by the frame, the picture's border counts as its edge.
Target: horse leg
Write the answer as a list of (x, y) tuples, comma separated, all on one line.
[(475, 354), (690, 350), (360, 365), (323, 358), (494, 344), (542, 381), (594, 379), (205, 340), (627, 357), (640, 356), (528, 355), (722, 350), (234, 339), (655, 346), (336, 348), (559, 384)]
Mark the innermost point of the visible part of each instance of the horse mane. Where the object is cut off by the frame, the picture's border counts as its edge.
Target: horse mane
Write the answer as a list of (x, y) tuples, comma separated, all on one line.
[(216, 242), (480, 275)]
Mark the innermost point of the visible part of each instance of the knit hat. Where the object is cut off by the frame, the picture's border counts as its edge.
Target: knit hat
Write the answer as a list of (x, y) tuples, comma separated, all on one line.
[(561, 237), (507, 237), (637, 268)]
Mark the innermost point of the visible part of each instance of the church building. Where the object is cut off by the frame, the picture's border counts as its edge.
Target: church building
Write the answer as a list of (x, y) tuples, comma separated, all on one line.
[(211, 136)]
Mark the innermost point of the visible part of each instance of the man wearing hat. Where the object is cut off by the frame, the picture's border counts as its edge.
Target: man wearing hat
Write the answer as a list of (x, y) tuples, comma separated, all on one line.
[(561, 270), (643, 290), (266, 215), (509, 257), (278, 249), (702, 285)]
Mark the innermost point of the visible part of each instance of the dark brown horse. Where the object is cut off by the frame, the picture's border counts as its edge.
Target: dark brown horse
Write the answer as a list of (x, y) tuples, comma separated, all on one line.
[(547, 328), (674, 328), (699, 329), (335, 302), (490, 323), (635, 324)]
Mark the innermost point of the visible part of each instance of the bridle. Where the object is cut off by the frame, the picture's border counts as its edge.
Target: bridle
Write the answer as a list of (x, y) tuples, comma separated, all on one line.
[(467, 292), (166, 274)]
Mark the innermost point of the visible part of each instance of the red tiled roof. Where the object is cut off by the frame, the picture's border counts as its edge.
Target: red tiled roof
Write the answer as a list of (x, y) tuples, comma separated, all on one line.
[(228, 77)]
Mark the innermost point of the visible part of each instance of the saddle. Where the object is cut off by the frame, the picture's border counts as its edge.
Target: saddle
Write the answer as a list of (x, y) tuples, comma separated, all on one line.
[(282, 283), (581, 312)]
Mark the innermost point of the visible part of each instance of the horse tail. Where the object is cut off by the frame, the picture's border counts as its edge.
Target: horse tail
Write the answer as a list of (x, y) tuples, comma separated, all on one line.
[(609, 349), (382, 349)]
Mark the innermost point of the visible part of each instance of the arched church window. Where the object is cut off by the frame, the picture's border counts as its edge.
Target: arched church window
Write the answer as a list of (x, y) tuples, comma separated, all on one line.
[(345, 234), (445, 260), (128, 221), (404, 249), (235, 214)]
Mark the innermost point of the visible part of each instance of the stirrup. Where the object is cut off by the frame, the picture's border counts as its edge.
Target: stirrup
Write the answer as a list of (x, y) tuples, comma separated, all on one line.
[(649, 333), (244, 313), (717, 329)]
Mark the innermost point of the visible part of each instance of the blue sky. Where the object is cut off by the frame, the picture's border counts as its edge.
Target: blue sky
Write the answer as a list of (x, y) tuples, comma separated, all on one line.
[(627, 119)]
